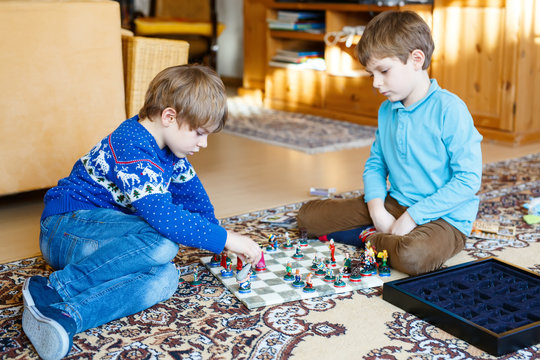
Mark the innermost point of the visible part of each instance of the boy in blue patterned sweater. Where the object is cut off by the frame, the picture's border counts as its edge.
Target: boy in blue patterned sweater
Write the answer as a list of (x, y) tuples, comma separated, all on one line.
[(112, 227)]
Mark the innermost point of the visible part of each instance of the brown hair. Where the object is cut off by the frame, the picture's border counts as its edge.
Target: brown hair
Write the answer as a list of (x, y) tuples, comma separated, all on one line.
[(194, 91), (395, 34)]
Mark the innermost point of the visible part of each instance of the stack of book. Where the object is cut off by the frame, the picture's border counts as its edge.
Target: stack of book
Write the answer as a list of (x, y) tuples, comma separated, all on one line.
[(305, 59), (311, 21)]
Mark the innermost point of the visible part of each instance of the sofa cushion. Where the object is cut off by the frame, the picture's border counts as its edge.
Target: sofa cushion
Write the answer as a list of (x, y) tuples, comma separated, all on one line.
[(62, 87)]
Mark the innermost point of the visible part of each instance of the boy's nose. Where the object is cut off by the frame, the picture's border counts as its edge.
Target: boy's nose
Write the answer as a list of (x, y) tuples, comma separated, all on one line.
[(203, 142), (377, 81)]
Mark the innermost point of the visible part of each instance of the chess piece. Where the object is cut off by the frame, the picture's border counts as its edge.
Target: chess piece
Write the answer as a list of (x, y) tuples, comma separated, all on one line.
[(298, 279), (314, 263), (303, 239), (271, 247), (347, 266), (239, 263), (356, 268), (287, 245), (339, 283), (288, 276), (224, 259), (332, 247), (384, 269), (298, 254), (368, 268), (215, 261), (309, 284), (196, 281), (261, 265), (329, 276), (227, 271), (320, 268), (243, 277)]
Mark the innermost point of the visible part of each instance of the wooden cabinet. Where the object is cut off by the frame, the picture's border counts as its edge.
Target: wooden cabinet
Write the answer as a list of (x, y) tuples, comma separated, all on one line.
[(486, 51), (343, 90)]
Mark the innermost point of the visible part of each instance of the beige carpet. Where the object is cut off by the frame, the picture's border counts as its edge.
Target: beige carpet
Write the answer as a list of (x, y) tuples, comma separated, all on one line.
[(208, 322)]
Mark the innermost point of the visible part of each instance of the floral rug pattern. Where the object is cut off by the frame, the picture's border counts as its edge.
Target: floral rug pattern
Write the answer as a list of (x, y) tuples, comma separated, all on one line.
[(208, 322), (307, 133)]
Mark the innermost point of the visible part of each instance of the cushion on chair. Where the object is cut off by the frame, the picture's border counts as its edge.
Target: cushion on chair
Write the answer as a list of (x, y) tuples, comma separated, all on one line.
[(148, 26)]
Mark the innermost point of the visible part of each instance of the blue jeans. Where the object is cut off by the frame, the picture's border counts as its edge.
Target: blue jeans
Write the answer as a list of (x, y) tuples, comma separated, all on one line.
[(108, 264)]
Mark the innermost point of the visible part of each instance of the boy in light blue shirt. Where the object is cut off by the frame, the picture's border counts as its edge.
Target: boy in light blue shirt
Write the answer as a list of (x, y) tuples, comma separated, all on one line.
[(425, 165)]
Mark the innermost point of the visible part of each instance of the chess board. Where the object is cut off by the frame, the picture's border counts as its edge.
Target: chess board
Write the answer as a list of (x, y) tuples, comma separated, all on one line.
[(269, 288)]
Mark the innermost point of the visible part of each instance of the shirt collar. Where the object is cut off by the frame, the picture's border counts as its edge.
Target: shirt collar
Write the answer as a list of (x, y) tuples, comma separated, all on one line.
[(432, 88)]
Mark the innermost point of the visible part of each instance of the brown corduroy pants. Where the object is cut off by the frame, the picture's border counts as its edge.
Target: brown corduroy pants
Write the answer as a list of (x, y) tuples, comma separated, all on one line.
[(424, 249)]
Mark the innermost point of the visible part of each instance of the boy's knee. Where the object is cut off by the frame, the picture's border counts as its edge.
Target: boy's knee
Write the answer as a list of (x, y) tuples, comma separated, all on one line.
[(307, 218), (413, 258), (163, 285), (164, 252), (170, 280)]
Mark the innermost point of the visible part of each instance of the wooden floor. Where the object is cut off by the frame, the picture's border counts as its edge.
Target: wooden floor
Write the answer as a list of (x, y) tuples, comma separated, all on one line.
[(240, 175)]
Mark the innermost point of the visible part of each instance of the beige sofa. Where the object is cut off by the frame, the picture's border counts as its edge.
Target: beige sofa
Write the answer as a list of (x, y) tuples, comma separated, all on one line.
[(62, 85)]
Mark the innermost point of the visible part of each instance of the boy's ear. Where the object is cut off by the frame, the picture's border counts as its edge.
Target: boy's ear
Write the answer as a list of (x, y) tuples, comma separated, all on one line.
[(418, 58), (168, 116)]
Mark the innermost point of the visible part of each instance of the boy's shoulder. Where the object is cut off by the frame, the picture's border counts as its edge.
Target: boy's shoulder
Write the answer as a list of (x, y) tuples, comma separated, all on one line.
[(130, 138), (443, 96)]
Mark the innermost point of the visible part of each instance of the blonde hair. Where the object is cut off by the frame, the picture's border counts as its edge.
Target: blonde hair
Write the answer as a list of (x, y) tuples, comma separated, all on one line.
[(395, 34), (194, 91)]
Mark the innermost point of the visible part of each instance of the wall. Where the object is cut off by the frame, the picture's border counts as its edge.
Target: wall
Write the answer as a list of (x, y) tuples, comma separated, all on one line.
[(231, 42)]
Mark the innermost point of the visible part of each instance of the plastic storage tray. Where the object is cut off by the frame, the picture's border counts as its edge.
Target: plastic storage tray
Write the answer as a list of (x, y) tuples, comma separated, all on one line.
[(489, 303)]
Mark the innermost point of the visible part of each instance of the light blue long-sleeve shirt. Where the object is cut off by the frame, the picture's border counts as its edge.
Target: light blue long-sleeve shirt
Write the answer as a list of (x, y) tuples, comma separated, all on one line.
[(430, 153)]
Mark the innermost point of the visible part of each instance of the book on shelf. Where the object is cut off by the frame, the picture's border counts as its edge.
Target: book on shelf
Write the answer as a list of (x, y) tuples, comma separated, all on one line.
[(296, 57), (296, 26), (289, 15), (311, 64), (286, 52)]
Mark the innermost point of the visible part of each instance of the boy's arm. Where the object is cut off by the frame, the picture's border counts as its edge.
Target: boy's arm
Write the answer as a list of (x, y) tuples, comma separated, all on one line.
[(375, 172), (375, 189), (190, 192), (180, 225), (462, 143)]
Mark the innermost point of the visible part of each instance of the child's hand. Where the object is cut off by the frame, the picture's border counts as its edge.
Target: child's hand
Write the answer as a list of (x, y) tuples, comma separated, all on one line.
[(248, 250), (382, 219), (403, 225)]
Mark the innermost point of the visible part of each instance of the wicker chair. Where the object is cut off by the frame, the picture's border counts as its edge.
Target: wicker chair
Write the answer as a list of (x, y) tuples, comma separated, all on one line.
[(143, 59)]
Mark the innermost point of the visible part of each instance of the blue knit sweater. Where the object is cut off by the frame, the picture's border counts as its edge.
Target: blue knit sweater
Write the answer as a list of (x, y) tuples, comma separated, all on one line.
[(128, 172)]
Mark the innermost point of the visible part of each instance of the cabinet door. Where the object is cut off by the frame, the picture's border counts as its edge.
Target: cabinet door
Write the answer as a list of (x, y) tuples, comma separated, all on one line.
[(255, 28), (303, 87), (354, 95), (475, 56)]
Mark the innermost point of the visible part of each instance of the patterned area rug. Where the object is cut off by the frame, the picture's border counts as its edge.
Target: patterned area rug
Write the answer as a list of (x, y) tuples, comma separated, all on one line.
[(307, 133), (208, 322)]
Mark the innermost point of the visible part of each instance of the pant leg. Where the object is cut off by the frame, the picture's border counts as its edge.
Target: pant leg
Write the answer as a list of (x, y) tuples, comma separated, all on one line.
[(95, 246), (321, 217), (110, 264), (122, 296), (425, 248)]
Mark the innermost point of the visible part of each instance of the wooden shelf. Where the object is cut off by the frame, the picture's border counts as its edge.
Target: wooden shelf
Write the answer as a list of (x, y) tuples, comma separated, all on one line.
[(340, 7), (296, 35), (481, 66)]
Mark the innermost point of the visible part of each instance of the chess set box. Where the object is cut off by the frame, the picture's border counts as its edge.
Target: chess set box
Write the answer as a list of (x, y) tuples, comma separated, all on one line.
[(489, 303)]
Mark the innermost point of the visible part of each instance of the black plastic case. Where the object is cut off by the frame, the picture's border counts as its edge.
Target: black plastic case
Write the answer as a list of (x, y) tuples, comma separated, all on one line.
[(489, 303)]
